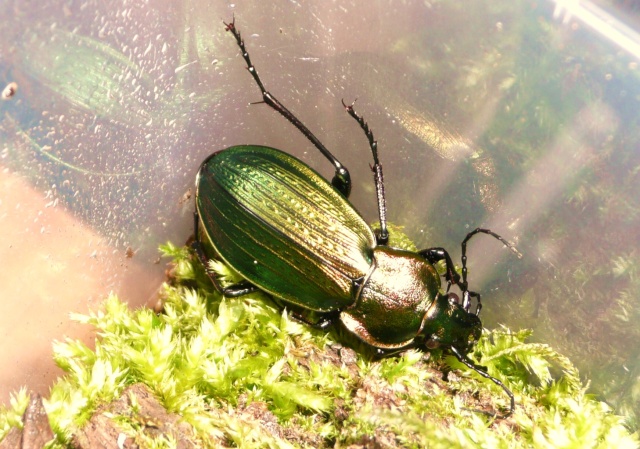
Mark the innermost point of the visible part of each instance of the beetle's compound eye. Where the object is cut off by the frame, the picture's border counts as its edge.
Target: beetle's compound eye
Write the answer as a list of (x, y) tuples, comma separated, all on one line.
[(432, 343), (453, 299)]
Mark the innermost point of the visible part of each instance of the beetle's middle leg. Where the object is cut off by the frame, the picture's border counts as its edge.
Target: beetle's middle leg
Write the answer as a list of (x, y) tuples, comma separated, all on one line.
[(317, 320), (341, 178), (230, 291)]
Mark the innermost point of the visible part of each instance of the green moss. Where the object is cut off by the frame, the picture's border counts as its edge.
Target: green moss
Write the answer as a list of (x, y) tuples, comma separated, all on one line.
[(242, 373), (12, 416)]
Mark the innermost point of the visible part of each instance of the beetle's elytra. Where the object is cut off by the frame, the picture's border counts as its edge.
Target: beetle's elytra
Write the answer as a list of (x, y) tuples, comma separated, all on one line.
[(291, 233)]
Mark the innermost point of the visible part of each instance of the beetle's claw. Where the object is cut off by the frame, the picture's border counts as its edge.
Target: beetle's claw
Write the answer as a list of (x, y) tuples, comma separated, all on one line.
[(349, 108), (230, 26)]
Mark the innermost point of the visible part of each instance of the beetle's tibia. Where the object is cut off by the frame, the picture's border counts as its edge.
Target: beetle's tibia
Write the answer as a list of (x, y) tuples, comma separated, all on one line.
[(383, 235)]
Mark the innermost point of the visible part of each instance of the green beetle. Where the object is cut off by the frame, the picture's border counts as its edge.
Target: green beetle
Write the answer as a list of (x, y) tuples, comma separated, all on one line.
[(291, 233)]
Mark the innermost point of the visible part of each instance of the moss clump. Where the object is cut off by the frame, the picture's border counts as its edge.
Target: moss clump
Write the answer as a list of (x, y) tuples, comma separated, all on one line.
[(242, 373)]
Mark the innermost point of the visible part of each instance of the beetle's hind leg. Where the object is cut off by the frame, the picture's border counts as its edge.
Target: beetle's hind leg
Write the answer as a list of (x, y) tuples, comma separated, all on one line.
[(231, 291), (383, 235), (341, 178)]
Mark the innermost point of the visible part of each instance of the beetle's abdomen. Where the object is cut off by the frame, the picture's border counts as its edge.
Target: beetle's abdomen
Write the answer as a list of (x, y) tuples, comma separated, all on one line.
[(394, 300), (282, 226)]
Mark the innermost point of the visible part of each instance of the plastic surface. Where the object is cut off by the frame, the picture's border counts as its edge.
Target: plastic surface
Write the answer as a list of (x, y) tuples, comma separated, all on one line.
[(517, 116)]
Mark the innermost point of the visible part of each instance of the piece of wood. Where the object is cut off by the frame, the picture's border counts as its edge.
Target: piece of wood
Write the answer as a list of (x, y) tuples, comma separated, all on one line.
[(138, 406), (12, 440), (35, 432)]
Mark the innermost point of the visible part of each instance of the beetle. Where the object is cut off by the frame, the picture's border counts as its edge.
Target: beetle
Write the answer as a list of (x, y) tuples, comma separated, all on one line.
[(289, 232)]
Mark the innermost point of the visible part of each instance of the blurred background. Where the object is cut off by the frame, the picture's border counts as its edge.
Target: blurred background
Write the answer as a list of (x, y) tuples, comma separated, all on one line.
[(517, 115)]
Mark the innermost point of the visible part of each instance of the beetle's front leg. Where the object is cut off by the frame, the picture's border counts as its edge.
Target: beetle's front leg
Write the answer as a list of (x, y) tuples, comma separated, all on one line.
[(232, 291), (435, 255)]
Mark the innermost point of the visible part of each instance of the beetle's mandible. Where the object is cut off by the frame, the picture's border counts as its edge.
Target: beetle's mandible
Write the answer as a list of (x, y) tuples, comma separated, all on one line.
[(294, 235)]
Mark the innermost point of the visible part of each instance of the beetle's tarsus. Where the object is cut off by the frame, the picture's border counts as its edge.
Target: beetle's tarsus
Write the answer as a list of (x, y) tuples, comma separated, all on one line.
[(230, 26), (350, 106)]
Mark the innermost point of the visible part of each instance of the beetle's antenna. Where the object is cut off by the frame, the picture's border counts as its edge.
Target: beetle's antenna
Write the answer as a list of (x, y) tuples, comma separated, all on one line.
[(469, 364), (341, 178), (383, 236), (467, 294)]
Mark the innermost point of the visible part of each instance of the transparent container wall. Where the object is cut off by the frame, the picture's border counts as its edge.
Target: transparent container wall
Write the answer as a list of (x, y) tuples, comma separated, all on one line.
[(514, 115)]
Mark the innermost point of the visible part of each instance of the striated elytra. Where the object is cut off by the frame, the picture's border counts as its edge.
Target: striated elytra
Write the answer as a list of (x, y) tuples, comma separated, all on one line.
[(291, 233)]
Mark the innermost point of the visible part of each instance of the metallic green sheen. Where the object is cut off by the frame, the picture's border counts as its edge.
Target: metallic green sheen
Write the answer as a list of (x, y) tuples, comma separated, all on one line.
[(283, 227), (449, 325), (390, 311)]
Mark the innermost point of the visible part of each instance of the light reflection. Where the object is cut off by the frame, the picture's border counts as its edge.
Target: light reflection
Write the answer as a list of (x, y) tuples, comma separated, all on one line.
[(573, 151), (600, 21)]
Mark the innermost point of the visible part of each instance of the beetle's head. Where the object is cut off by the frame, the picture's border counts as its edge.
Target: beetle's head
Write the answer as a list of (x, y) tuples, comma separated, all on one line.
[(447, 324)]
